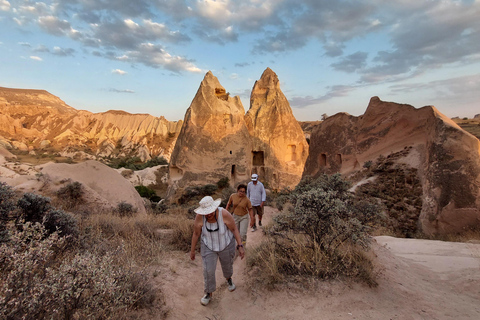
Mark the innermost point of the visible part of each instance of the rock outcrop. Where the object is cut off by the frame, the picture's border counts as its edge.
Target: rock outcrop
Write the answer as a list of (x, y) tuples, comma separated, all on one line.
[(36, 119), (214, 141), (446, 156), (279, 145)]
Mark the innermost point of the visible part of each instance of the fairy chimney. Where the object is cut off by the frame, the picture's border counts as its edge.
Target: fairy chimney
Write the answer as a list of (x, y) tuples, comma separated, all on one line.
[(214, 142), (279, 145)]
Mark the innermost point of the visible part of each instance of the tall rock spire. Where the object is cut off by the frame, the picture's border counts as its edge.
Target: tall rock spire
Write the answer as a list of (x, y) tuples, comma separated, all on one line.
[(214, 141), (279, 145)]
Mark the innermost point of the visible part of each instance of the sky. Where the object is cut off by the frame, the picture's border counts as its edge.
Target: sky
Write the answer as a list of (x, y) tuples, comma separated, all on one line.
[(150, 56)]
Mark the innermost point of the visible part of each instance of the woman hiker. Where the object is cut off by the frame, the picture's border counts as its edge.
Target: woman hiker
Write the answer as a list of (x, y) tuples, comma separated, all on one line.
[(242, 209), (216, 228)]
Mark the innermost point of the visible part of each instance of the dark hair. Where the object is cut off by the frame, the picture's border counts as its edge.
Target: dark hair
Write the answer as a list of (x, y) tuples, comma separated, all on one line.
[(240, 186)]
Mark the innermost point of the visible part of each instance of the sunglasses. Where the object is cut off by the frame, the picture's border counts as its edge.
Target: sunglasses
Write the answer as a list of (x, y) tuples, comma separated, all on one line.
[(213, 230)]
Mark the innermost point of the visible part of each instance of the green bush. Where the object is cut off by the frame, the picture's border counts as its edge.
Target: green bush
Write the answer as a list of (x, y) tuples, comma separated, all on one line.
[(61, 221), (33, 207), (7, 205), (324, 235), (135, 163), (208, 189), (145, 192), (125, 209), (34, 285), (72, 193), (223, 183)]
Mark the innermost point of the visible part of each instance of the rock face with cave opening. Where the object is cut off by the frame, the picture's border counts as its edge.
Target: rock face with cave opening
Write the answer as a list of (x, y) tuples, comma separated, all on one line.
[(214, 142), (279, 145), (446, 156)]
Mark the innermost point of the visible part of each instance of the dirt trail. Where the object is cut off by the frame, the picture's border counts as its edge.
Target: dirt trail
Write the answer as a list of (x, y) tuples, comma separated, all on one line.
[(419, 280)]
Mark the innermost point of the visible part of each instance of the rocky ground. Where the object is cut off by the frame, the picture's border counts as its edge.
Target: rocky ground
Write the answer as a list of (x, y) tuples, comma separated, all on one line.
[(418, 279)]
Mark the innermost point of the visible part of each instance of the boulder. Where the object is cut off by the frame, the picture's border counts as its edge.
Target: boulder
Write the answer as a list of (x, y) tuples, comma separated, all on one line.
[(104, 185)]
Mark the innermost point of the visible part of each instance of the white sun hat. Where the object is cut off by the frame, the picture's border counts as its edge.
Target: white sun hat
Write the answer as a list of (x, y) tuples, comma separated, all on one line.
[(207, 205), (254, 177)]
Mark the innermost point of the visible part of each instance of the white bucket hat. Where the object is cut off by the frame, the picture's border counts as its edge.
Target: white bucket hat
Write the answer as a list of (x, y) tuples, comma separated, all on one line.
[(254, 177), (207, 205)]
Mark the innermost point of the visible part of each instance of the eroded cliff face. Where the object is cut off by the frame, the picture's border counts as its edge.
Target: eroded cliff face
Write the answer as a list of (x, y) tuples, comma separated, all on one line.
[(446, 157), (214, 141), (279, 145), (35, 119)]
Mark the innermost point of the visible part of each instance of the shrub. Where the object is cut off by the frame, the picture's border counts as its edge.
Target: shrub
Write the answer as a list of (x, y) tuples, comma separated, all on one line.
[(72, 193), (7, 205), (35, 285), (208, 189), (145, 192), (322, 236), (223, 183), (125, 209), (61, 221), (33, 207), (367, 164)]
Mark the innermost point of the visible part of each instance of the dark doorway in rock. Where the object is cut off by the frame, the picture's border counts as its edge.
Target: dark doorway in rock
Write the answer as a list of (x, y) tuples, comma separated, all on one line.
[(258, 159), (323, 160)]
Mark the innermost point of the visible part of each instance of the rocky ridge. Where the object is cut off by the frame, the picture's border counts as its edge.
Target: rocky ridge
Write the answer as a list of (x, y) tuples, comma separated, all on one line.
[(446, 157), (34, 120)]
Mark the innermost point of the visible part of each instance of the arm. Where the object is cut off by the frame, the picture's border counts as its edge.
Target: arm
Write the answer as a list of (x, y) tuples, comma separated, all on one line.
[(264, 196), (230, 223), (197, 231), (229, 203)]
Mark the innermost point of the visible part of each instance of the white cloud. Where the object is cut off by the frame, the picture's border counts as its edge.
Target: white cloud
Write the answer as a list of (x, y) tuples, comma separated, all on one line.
[(118, 71), (54, 26), (36, 58), (155, 56), (5, 5)]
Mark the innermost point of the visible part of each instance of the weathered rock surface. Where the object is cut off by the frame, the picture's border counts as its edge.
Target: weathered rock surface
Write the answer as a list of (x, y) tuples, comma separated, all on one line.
[(105, 186), (214, 141), (279, 145), (446, 156), (36, 119)]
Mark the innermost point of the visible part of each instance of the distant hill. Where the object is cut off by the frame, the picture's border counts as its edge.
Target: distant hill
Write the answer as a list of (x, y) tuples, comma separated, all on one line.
[(36, 121)]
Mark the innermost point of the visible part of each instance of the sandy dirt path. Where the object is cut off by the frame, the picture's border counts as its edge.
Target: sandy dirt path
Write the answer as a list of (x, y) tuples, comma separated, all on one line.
[(418, 279)]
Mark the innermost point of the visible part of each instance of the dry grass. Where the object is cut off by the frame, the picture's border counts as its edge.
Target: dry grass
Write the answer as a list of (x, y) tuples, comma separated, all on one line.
[(140, 236), (294, 261)]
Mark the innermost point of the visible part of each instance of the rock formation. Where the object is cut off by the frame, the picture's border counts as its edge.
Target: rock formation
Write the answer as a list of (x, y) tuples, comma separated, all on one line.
[(279, 145), (219, 140), (214, 141), (36, 119), (446, 156)]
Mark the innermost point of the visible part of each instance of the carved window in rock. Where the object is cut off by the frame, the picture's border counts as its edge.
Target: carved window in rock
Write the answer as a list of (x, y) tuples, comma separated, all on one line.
[(258, 158), (338, 159), (322, 160), (233, 170), (291, 153)]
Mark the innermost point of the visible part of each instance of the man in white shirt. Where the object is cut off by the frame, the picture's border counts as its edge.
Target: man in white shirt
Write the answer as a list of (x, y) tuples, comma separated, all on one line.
[(256, 194)]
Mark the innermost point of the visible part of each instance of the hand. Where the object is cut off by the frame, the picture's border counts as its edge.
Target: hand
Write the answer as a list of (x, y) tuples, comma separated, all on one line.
[(241, 252), (192, 255)]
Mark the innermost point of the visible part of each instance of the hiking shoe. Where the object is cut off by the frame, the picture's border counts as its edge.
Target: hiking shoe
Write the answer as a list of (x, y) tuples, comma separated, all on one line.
[(206, 299), (254, 229), (231, 285), (259, 223)]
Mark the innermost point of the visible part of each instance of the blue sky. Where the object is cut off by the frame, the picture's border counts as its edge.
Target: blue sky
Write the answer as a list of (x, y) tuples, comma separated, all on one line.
[(146, 56)]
